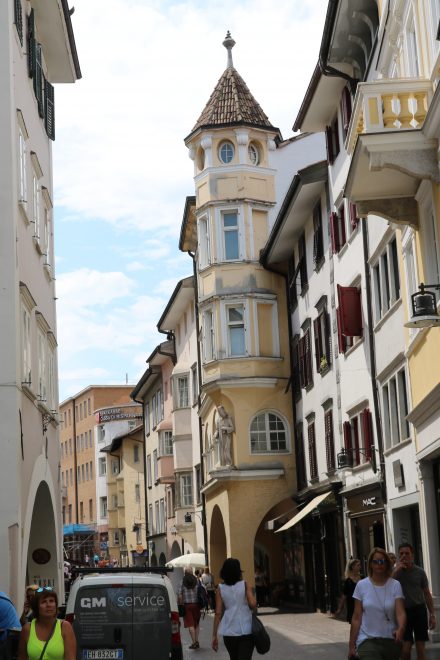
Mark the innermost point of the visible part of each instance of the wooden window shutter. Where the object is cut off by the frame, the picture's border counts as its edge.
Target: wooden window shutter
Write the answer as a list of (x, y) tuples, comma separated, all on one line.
[(367, 432), (327, 338), (355, 429), (341, 339), (318, 343), (302, 261), (350, 310), (49, 109), (31, 44), (313, 464), (341, 226), (329, 145), (329, 441), (301, 467), (334, 232), (318, 249), (354, 220), (308, 357), (347, 438), (18, 19), (346, 109), (38, 80), (302, 369)]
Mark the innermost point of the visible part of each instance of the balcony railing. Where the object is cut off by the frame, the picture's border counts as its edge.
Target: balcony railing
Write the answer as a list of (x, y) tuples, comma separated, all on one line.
[(389, 105)]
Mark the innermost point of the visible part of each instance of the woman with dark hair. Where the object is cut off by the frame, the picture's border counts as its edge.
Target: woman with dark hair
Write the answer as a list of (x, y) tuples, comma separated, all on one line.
[(46, 637), (234, 602), (378, 621), (188, 596)]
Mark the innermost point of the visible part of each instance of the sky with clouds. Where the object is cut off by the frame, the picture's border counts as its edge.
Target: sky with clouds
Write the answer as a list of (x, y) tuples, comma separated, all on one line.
[(122, 171)]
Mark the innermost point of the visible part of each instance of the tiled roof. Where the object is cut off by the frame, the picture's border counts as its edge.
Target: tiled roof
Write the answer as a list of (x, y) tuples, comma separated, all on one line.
[(230, 103)]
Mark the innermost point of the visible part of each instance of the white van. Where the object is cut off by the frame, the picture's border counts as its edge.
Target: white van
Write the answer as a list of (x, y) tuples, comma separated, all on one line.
[(124, 615)]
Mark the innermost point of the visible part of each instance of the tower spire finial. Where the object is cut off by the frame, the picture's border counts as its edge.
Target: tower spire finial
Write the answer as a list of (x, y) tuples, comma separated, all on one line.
[(229, 44)]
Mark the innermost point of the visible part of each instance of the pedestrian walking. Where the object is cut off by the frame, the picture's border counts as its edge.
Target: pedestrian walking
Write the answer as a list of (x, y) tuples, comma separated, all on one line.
[(46, 636), (234, 602), (209, 584), (378, 621), (8, 621), (352, 577), (189, 597), (418, 599)]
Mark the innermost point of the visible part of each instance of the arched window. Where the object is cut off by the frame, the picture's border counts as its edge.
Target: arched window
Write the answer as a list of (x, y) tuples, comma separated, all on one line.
[(268, 433)]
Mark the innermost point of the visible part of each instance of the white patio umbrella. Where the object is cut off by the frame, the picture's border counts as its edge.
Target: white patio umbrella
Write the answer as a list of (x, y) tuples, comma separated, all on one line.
[(195, 559)]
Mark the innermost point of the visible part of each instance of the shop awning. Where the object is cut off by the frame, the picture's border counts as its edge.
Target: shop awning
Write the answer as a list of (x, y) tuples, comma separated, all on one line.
[(304, 512)]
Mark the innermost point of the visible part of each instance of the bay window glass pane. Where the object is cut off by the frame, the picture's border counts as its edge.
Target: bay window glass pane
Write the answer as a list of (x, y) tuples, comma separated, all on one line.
[(230, 230)]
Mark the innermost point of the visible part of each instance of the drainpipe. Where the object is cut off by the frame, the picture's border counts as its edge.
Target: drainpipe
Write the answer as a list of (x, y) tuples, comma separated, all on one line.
[(145, 477), (199, 378), (377, 419)]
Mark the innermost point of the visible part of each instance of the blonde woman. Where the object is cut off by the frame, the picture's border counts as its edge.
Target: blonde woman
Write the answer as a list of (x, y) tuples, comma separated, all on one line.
[(379, 619), (352, 577)]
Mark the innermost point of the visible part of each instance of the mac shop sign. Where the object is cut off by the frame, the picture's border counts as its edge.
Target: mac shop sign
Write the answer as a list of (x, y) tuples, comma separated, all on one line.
[(113, 414), (370, 500)]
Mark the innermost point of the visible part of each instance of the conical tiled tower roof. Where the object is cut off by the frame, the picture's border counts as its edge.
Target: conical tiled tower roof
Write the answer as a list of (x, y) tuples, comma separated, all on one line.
[(231, 102)]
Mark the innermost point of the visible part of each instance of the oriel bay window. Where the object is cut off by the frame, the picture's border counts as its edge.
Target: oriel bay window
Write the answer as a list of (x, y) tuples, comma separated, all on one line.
[(349, 316), (231, 238), (181, 391), (208, 335), (204, 252)]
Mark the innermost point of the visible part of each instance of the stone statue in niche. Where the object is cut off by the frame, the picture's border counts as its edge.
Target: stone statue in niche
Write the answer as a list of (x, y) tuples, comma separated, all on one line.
[(223, 434)]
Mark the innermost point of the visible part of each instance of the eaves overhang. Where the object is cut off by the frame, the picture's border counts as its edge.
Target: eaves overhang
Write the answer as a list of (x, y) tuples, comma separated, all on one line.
[(55, 32), (147, 379), (386, 170), (179, 301), (297, 207), (320, 103), (188, 229)]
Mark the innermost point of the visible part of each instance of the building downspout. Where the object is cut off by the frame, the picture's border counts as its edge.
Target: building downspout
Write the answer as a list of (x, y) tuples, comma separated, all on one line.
[(199, 378), (377, 418), (145, 477)]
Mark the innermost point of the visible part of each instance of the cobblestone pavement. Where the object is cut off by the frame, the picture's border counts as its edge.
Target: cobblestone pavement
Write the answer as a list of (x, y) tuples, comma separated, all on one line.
[(302, 636)]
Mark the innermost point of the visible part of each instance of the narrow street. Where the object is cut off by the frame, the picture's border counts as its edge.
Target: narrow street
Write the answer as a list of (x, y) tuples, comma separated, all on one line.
[(301, 636)]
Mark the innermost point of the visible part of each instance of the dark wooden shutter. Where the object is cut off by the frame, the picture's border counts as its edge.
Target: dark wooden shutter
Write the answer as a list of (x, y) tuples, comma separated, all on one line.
[(318, 249), (313, 463), (329, 145), (302, 261), (38, 80), (49, 109), (334, 233), (341, 226), (329, 441), (354, 220), (355, 429), (18, 19), (327, 337), (301, 457), (346, 109), (341, 339), (318, 344), (367, 432), (350, 310), (347, 438), (302, 366), (31, 44), (308, 357)]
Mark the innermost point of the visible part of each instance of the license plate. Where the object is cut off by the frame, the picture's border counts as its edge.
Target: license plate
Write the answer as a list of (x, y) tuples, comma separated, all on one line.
[(101, 654)]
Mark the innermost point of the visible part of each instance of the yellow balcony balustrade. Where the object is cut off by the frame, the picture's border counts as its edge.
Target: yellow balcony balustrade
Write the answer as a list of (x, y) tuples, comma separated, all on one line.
[(389, 105)]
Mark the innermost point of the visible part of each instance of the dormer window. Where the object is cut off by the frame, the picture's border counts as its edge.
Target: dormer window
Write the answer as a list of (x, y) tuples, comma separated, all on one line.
[(254, 154), (226, 152)]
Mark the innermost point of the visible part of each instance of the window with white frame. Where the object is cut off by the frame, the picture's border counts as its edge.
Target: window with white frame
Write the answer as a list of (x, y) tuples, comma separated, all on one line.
[(230, 235), (208, 335), (155, 471), (395, 409), (159, 406), (22, 165), (386, 280), (410, 266), (154, 411), (235, 322), (103, 507), (268, 434), (162, 516), (101, 432), (166, 443), (135, 453), (115, 466), (149, 479), (26, 375), (186, 496), (157, 517), (181, 392), (204, 244), (102, 466), (147, 418)]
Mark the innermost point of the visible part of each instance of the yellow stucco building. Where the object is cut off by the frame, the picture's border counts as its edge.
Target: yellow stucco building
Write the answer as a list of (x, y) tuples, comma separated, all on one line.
[(245, 403)]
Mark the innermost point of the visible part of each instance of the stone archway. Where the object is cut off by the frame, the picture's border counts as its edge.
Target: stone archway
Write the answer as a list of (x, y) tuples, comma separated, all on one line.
[(162, 559), (42, 555), (217, 541), (176, 550)]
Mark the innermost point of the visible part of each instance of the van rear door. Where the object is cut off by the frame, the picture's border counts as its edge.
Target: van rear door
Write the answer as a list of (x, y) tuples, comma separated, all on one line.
[(103, 622), (151, 622)]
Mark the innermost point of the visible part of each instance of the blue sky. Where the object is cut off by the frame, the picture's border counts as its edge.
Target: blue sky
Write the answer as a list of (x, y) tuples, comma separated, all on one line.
[(122, 171)]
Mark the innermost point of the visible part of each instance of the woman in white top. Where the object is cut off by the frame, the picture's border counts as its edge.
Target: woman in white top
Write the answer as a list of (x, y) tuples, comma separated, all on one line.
[(234, 598), (379, 618)]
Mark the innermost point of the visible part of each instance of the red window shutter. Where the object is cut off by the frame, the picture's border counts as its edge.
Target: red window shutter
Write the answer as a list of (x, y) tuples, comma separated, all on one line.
[(318, 343), (341, 339), (341, 226), (347, 438), (367, 432), (353, 215), (350, 310), (334, 233), (329, 441), (329, 145), (346, 109)]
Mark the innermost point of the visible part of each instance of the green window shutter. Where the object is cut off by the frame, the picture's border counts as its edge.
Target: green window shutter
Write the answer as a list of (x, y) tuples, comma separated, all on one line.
[(49, 109), (38, 81), (32, 44), (18, 19)]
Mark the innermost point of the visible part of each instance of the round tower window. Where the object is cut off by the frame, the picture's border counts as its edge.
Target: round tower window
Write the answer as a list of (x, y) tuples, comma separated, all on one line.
[(254, 153), (226, 152)]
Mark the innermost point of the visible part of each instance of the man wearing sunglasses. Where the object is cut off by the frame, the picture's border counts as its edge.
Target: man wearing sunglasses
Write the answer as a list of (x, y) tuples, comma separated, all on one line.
[(418, 597)]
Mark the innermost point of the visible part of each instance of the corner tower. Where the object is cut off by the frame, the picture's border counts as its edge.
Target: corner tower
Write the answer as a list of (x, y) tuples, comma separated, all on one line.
[(245, 407)]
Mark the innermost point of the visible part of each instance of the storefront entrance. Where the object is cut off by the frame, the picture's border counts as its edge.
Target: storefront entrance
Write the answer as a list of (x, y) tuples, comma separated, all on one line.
[(366, 515)]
